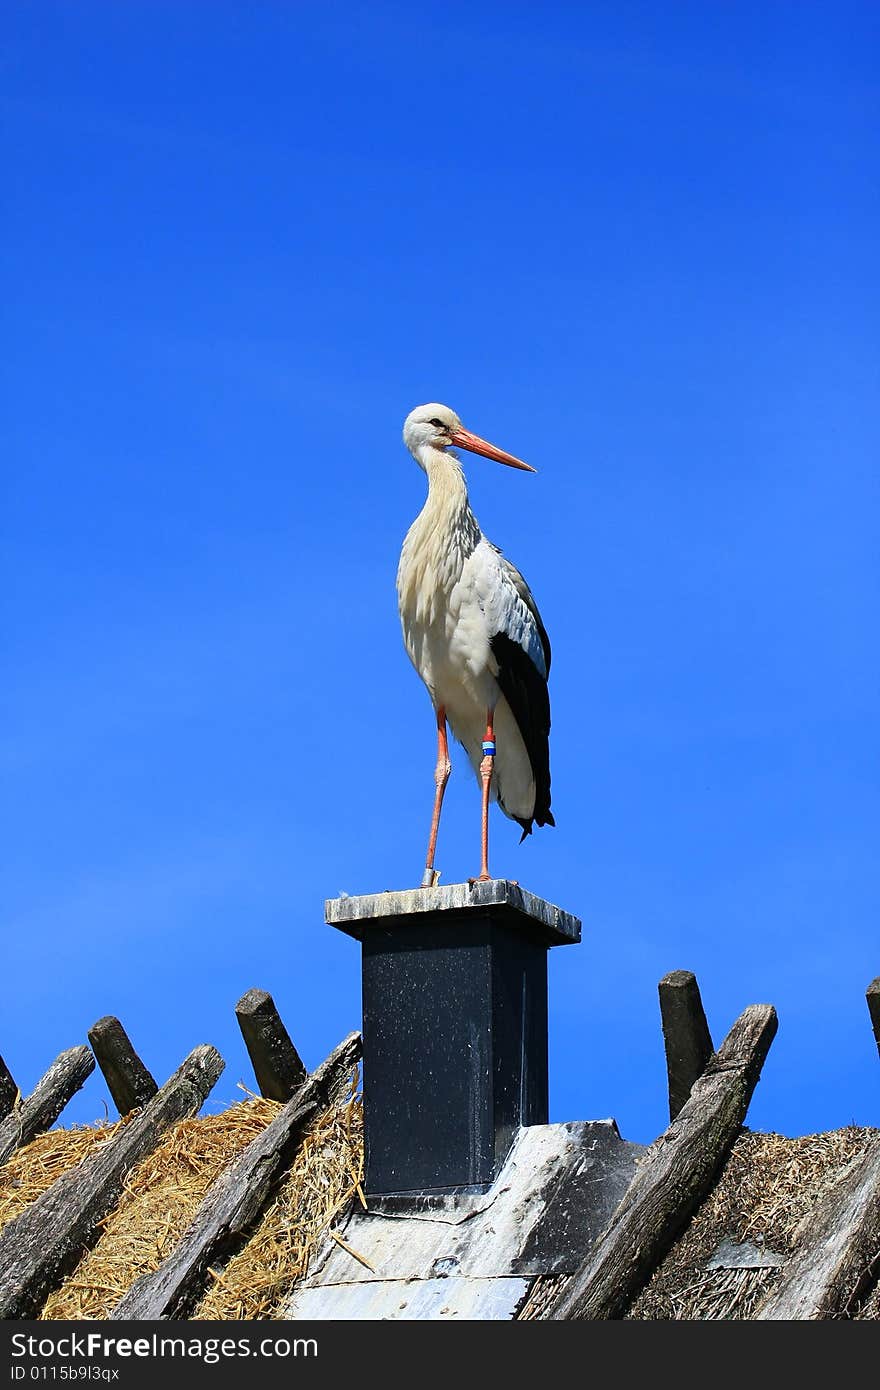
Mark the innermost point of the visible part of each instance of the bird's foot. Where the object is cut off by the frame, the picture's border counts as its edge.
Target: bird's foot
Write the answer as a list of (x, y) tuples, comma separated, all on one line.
[(430, 878)]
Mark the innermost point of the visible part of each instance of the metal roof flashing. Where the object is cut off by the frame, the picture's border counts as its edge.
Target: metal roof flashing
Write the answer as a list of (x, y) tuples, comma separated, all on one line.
[(474, 1256)]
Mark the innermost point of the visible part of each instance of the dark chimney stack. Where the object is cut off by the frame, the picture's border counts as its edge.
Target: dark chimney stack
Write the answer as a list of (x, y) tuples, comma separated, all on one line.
[(454, 1030)]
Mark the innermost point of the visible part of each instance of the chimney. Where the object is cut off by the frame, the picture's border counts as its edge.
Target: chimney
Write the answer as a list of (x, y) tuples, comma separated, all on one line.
[(454, 1030)]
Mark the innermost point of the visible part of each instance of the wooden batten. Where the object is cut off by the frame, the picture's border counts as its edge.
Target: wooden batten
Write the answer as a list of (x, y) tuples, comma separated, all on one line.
[(686, 1035), (8, 1090), (128, 1080), (45, 1103), (239, 1195), (277, 1065), (674, 1176), (40, 1246), (872, 995), (829, 1266)]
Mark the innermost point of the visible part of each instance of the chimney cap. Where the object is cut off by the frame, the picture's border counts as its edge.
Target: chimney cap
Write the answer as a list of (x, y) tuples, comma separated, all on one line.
[(357, 915)]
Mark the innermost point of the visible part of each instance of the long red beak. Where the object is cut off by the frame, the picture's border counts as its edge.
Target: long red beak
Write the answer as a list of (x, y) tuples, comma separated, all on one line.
[(463, 439)]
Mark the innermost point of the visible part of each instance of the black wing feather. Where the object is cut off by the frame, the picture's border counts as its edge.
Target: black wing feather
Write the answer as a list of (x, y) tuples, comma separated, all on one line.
[(525, 690)]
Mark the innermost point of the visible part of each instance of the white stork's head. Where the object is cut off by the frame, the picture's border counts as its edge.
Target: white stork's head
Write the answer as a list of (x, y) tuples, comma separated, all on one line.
[(436, 427)]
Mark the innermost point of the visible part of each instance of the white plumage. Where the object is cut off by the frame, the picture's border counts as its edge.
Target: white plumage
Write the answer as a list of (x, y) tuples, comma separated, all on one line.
[(474, 634)]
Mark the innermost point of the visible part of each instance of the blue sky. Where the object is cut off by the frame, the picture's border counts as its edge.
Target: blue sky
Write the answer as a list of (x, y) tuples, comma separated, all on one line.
[(633, 243)]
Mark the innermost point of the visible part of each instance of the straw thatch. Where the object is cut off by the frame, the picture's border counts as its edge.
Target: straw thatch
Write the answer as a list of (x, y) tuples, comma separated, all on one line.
[(162, 1194), (324, 1178), (34, 1167), (765, 1196), (768, 1187), (164, 1191)]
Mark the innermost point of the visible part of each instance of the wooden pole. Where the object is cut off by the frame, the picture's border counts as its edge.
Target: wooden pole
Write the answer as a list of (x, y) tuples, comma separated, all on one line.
[(686, 1035), (8, 1090), (833, 1258), (47, 1100), (38, 1247), (238, 1196), (129, 1082), (276, 1062), (674, 1175), (872, 994)]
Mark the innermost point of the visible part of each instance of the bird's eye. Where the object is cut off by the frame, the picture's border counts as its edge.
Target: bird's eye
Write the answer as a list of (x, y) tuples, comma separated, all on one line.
[(438, 423)]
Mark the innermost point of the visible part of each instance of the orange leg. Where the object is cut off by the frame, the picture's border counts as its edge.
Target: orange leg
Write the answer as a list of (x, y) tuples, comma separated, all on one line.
[(441, 777), (486, 769)]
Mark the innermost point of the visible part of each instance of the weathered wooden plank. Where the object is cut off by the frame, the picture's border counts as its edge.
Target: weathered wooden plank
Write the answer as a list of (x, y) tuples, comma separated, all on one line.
[(277, 1064), (238, 1196), (38, 1247), (872, 994), (47, 1100), (8, 1090), (129, 1081), (676, 1172), (832, 1259), (686, 1035)]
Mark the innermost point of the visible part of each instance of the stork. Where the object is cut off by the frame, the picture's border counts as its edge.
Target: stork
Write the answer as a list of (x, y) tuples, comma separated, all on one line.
[(474, 634)]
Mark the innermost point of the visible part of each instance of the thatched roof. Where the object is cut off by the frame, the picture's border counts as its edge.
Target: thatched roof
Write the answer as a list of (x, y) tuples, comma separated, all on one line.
[(729, 1257), (163, 1193), (721, 1267), (169, 1213)]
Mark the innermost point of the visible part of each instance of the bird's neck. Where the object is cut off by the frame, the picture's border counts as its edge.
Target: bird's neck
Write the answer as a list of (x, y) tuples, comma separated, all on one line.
[(438, 543), (447, 507)]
